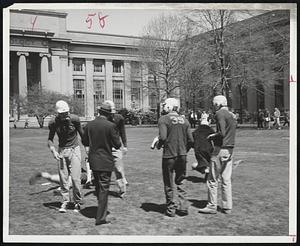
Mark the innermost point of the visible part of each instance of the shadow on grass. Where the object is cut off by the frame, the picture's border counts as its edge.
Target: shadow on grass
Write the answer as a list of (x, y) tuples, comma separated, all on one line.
[(153, 207), (42, 191), (110, 193), (198, 203), (195, 179), (52, 205), (89, 212)]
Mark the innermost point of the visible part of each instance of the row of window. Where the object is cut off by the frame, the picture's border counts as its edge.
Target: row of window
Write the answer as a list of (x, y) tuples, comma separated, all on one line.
[(118, 93), (99, 65)]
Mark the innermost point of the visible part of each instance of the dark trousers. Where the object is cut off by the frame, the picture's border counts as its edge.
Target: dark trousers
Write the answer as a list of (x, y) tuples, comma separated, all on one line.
[(102, 181), (169, 167)]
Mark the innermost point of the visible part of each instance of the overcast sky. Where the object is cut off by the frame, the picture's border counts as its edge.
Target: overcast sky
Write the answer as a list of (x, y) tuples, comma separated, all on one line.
[(118, 21)]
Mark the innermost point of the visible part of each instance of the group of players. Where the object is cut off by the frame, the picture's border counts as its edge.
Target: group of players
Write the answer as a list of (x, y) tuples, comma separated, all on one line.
[(101, 138)]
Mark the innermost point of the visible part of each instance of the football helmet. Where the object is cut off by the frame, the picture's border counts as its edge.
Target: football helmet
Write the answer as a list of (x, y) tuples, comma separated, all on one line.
[(220, 100), (171, 104), (62, 107)]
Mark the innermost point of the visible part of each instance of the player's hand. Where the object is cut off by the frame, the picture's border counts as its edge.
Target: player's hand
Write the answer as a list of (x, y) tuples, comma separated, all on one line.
[(125, 150), (56, 155)]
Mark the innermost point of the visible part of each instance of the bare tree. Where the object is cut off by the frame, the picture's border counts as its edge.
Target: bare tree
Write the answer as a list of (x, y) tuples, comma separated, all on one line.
[(162, 50)]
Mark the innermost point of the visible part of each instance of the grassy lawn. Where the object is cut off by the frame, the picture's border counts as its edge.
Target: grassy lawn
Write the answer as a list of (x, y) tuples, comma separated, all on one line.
[(260, 191)]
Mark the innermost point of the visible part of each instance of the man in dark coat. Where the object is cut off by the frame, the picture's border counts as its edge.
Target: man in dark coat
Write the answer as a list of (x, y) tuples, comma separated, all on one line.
[(101, 136)]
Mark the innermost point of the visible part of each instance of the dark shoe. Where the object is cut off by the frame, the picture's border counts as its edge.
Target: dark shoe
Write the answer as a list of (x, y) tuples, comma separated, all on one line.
[(207, 210), (226, 211), (103, 222), (34, 178), (182, 212)]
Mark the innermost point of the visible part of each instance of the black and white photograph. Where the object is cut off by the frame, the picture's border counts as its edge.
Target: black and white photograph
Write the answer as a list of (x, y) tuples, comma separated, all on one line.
[(150, 122)]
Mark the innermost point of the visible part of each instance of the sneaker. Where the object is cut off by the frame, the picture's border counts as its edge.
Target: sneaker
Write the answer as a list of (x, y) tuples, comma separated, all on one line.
[(63, 207), (77, 207), (35, 178), (207, 210), (170, 214)]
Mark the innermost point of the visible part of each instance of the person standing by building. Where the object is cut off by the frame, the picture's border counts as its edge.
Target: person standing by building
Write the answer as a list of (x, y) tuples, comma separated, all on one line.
[(67, 126), (267, 119), (260, 119), (100, 137), (277, 118), (118, 154), (174, 136), (221, 160), (286, 118)]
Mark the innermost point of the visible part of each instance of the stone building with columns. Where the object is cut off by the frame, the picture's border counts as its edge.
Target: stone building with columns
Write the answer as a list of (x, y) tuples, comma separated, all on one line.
[(91, 66)]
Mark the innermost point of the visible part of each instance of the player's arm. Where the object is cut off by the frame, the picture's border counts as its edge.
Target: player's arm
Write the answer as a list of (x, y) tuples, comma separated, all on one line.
[(162, 133), (115, 138), (50, 140), (221, 124), (85, 138)]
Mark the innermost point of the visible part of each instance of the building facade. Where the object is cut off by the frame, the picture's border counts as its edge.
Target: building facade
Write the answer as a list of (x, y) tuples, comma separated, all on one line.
[(93, 67)]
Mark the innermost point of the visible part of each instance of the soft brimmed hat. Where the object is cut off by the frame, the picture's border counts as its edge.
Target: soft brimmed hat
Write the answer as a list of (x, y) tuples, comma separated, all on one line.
[(107, 107)]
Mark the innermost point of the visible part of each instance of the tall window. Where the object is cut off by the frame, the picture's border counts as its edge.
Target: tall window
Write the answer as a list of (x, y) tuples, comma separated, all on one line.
[(136, 92), (117, 66), (98, 93), (78, 85), (78, 64), (153, 99), (118, 88), (99, 66)]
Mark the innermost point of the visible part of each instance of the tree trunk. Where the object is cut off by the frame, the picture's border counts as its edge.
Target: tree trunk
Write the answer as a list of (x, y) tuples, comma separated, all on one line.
[(241, 103), (40, 120)]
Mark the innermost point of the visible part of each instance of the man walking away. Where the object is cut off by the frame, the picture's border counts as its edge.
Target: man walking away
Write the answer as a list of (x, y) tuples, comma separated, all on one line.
[(100, 137), (174, 136), (66, 126), (221, 160)]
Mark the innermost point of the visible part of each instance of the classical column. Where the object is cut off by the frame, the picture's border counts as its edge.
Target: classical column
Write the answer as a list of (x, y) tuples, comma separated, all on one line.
[(44, 70), (145, 90), (108, 80), (89, 89), (22, 73), (64, 75), (127, 82)]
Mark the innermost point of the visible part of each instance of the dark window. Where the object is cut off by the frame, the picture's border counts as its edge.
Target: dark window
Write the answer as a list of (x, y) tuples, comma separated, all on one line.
[(78, 64)]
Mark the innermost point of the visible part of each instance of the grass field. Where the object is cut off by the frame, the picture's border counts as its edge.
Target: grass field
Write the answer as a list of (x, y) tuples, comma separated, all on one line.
[(260, 191)]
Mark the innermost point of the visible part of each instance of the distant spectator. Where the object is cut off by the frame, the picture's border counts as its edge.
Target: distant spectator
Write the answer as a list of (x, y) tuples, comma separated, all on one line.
[(15, 123), (267, 121), (26, 124), (277, 119), (193, 119), (286, 118), (260, 119)]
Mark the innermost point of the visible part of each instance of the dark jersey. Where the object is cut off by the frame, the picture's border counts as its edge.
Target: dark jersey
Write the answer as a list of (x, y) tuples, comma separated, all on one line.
[(174, 134), (120, 127), (66, 130), (226, 126)]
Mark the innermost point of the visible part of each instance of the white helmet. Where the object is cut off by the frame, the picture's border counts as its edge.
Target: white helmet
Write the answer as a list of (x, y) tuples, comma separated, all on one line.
[(220, 100), (171, 104), (62, 107), (108, 107)]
